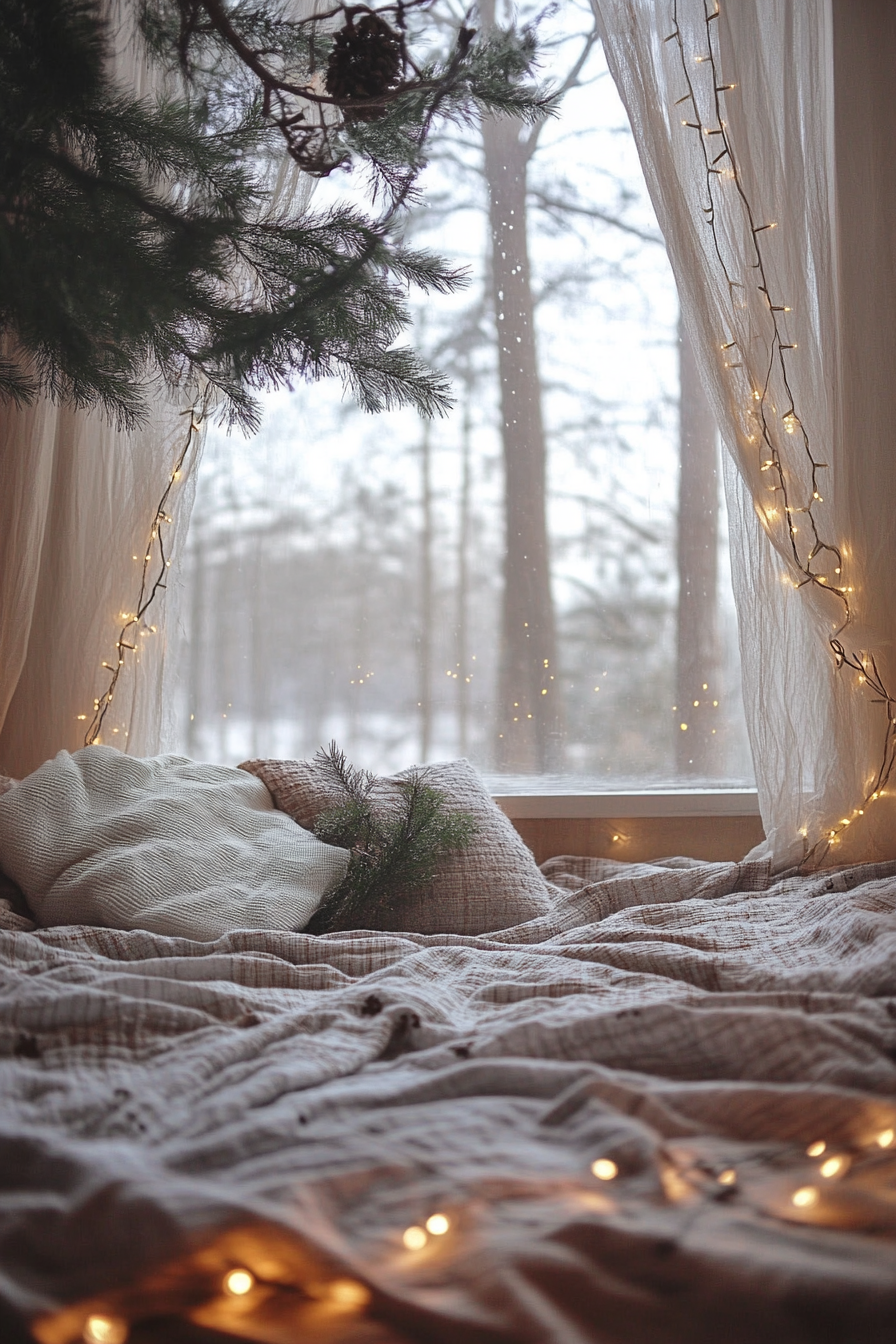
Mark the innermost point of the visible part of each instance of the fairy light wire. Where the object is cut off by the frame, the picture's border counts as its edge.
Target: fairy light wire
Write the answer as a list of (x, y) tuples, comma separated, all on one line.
[(152, 581), (716, 149)]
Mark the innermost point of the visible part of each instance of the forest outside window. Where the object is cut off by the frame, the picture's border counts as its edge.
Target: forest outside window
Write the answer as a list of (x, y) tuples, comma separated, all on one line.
[(537, 581)]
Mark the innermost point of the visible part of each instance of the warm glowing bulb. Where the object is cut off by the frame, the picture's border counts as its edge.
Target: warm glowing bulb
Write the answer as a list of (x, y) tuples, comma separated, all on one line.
[(832, 1167), (816, 1149), (437, 1224), (683, 727), (105, 1330), (805, 1197), (728, 1177), (604, 1169), (239, 1282), (886, 1137), (415, 1238), (348, 1293)]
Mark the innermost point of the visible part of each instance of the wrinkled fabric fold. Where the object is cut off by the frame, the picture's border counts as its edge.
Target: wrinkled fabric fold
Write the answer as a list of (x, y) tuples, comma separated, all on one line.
[(317, 1096)]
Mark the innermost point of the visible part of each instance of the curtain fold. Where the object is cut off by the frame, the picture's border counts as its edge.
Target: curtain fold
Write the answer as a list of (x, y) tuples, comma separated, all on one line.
[(77, 503), (765, 135), (77, 499)]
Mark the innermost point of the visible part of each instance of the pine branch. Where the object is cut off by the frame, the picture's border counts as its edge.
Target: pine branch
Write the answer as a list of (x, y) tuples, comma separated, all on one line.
[(135, 235), (396, 847)]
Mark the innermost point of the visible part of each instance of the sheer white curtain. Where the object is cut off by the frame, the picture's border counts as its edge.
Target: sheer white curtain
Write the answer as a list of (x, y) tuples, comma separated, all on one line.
[(765, 130), (77, 499)]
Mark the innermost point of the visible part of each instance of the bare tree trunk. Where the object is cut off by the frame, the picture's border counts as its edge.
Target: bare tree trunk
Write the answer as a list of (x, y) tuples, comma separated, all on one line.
[(698, 669), (258, 698), (424, 640), (228, 600), (197, 645), (463, 578), (359, 633), (529, 712)]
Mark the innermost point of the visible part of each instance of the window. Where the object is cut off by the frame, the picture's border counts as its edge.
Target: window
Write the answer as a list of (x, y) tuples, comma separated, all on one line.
[(504, 583)]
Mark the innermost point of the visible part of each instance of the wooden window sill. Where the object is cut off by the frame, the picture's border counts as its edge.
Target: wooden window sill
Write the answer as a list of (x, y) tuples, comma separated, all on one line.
[(702, 824)]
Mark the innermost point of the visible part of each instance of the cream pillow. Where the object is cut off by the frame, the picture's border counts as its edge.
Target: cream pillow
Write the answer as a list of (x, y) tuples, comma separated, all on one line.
[(166, 844)]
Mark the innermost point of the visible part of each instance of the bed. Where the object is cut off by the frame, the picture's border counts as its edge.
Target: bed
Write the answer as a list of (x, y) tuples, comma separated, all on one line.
[(662, 1110)]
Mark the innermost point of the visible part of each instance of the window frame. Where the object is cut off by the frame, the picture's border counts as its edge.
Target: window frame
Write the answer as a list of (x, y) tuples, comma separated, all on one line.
[(714, 825)]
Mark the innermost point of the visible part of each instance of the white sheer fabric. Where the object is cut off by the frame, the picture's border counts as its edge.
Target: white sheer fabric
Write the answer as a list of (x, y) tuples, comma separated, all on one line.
[(799, 358), (77, 499)]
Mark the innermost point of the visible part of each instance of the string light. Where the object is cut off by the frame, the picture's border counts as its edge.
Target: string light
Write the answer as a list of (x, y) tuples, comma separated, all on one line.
[(805, 1197), (808, 557), (104, 1330), (348, 1293), (238, 1282), (605, 1169), (150, 585), (684, 1175)]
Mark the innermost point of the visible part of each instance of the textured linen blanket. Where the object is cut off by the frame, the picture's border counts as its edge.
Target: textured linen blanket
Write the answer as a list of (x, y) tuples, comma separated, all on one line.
[(292, 1105)]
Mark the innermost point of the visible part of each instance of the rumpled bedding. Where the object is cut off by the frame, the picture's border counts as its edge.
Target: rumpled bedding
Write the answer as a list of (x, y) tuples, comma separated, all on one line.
[(292, 1104)]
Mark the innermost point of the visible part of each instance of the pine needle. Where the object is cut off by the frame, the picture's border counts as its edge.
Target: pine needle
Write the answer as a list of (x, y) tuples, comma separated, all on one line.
[(396, 845)]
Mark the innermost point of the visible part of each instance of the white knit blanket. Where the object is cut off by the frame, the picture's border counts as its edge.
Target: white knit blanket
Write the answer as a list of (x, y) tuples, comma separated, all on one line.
[(166, 844), (293, 1104)]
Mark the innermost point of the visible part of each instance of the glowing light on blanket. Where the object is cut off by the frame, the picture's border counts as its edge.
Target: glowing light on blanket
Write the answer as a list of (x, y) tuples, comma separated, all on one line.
[(105, 1330), (833, 1167), (438, 1224), (605, 1169), (886, 1137), (348, 1293), (816, 1149), (415, 1238), (805, 1197), (239, 1282)]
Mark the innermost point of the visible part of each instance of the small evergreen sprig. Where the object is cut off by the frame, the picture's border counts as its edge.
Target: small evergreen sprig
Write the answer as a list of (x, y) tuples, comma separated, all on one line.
[(396, 846)]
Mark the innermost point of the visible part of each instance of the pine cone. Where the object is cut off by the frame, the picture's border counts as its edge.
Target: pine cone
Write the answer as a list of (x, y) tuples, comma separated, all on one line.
[(364, 63)]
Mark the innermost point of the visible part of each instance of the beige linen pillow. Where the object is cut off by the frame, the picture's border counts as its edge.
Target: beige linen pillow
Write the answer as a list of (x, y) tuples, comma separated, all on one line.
[(494, 884)]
